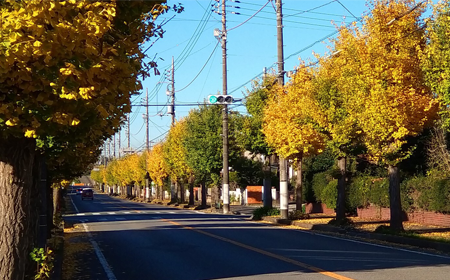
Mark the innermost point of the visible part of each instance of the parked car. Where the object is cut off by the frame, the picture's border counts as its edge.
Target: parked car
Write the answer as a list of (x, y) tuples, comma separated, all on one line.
[(79, 190), (87, 194)]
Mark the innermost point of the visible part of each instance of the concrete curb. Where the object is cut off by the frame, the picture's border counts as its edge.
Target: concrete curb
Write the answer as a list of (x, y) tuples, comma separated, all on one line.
[(416, 242)]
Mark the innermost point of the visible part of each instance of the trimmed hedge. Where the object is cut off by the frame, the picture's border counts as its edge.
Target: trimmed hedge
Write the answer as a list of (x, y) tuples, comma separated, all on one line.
[(365, 190), (430, 193), (325, 188), (260, 212)]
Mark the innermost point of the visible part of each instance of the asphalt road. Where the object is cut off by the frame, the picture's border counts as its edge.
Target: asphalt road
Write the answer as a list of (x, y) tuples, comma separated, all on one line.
[(143, 241)]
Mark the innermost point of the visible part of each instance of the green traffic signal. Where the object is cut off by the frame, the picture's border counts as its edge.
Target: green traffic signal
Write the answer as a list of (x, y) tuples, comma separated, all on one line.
[(220, 99), (212, 99)]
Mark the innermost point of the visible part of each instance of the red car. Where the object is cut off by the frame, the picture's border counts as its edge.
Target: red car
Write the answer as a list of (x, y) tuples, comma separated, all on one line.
[(87, 194)]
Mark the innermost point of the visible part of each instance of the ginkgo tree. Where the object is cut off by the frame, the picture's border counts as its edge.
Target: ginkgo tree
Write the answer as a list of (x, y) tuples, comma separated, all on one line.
[(287, 123), (67, 68), (397, 103), (175, 157), (157, 168), (334, 99)]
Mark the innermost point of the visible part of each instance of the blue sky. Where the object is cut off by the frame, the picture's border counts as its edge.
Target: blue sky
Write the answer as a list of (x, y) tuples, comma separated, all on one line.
[(250, 47)]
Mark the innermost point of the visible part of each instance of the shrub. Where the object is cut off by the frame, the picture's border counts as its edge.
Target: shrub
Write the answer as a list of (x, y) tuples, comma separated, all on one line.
[(441, 196), (298, 215), (329, 194), (319, 183), (358, 192), (430, 193), (379, 192), (260, 212), (364, 190)]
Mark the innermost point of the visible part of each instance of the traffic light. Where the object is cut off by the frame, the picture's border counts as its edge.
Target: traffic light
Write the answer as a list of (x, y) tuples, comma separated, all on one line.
[(220, 99)]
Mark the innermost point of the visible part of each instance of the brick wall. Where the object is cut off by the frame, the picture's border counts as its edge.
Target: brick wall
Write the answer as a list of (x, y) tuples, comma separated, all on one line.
[(254, 194), (314, 208), (420, 217), (374, 213)]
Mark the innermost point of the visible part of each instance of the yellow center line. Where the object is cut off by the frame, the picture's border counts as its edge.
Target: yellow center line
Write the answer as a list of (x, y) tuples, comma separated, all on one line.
[(269, 254)]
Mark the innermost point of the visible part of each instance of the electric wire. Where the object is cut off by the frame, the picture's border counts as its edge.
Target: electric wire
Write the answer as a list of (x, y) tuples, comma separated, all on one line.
[(203, 67), (292, 21), (357, 18), (194, 38), (250, 17), (310, 10), (139, 129)]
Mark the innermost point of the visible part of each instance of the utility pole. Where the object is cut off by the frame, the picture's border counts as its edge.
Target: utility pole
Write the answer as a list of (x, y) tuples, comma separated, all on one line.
[(284, 194), (146, 120), (114, 146), (104, 154), (225, 171), (128, 131), (173, 93), (109, 149), (120, 130)]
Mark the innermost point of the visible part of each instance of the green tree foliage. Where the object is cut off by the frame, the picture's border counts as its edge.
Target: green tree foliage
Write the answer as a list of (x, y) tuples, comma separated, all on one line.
[(203, 140), (436, 56), (252, 138)]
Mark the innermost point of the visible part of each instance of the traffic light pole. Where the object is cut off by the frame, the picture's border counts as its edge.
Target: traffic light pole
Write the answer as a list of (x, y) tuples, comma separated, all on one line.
[(225, 174)]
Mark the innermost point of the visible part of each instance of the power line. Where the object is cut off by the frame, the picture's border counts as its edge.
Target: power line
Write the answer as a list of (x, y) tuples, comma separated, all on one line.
[(357, 18), (310, 10), (250, 17), (194, 38), (203, 67)]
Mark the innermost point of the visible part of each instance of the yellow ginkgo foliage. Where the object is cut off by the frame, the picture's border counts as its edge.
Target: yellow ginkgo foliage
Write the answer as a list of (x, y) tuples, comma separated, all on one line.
[(175, 152), (397, 102), (392, 100), (156, 165), (288, 125)]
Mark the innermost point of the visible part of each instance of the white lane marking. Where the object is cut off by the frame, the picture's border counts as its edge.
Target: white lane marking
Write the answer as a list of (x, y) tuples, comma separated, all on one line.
[(74, 206), (112, 213), (100, 255), (171, 212), (95, 213), (389, 247), (81, 214), (367, 243), (158, 212), (127, 212), (199, 212)]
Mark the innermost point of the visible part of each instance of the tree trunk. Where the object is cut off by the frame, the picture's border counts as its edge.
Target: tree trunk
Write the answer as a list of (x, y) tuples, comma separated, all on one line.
[(394, 198), (340, 203), (191, 191), (267, 185), (299, 186), (57, 206), (173, 192), (204, 193), (16, 189), (182, 193)]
